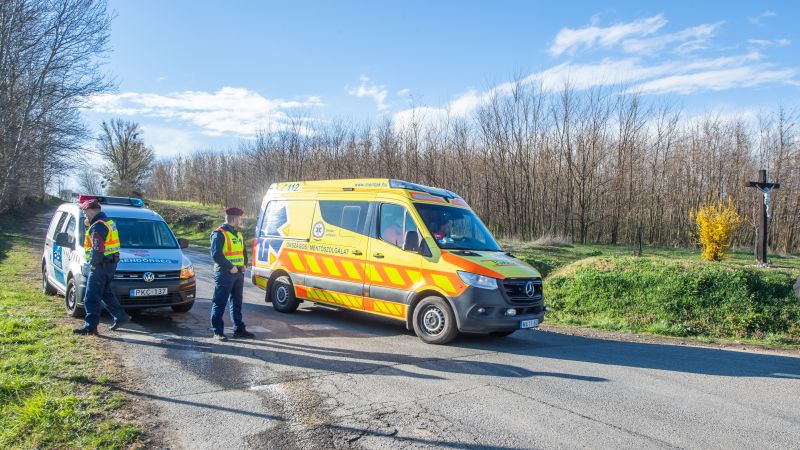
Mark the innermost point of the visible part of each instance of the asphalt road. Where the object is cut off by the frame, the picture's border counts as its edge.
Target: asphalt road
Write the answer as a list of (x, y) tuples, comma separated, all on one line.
[(322, 378)]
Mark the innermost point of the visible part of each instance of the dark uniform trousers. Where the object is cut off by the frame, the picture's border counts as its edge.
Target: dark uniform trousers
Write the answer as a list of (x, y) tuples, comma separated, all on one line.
[(228, 286), (99, 294)]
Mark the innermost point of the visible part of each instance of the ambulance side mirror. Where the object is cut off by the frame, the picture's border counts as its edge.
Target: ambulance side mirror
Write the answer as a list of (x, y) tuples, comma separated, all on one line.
[(412, 241), (65, 240), (183, 243)]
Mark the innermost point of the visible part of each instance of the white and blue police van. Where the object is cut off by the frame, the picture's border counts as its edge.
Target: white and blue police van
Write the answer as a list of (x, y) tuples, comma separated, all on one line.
[(152, 271)]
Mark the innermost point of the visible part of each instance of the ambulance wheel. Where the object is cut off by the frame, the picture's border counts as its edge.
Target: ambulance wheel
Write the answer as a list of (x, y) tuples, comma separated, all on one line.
[(434, 321), (47, 288), (282, 295), (502, 333), (71, 300), (186, 307)]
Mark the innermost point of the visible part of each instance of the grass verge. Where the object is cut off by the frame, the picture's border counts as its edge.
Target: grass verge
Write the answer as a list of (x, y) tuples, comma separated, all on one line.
[(54, 390), (677, 297)]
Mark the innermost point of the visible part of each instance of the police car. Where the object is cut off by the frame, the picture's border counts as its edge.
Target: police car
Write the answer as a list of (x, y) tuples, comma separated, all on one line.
[(152, 271)]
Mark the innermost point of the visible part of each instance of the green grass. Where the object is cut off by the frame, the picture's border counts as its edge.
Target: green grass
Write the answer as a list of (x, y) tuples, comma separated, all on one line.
[(195, 221), (46, 373), (675, 296)]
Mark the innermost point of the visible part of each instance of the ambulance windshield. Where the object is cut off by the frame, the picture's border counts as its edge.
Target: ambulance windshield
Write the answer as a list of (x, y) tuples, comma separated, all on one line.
[(456, 228)]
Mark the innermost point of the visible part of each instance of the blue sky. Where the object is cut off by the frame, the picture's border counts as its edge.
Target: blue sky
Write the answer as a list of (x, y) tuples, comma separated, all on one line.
[(202, 75)]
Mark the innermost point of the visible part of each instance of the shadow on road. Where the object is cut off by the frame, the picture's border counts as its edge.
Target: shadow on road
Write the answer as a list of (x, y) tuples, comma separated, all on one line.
[(274, 347), (674, 358)]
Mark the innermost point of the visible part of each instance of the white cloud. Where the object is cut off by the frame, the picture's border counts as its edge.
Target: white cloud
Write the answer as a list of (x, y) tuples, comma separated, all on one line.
[(569, 39), (692, 38), (763, 43), (168, 142), (672, 76), (403, 92), (230, 110), (717, 80), (757, 20), (367, 89), (675, 72)]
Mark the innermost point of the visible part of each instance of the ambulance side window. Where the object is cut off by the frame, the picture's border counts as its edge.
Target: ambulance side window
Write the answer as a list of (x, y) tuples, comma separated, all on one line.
[(274, 218), (343, 214), (394, 222), (62, 216)]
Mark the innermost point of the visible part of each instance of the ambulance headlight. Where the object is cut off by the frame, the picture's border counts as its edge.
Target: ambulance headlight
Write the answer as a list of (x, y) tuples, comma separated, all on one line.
[(187, 272), (477, 280)]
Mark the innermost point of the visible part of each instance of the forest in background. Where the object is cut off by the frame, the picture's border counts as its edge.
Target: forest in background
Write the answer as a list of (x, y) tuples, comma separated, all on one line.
[(584, 165)]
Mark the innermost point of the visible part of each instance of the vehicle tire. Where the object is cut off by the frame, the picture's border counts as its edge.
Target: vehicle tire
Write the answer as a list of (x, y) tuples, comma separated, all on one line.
[(434, 321), (502, 333), (47, 288), (186, 307), (71, 300), (282, 295)]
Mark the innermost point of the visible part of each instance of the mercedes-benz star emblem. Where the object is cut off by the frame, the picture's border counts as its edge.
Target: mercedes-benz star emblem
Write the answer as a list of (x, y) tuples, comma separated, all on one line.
[(148, 277), (529, 290)]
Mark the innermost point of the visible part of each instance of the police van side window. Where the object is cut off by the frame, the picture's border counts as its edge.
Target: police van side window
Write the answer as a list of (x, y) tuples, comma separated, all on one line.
[(71, 225), (61, 216), (274, 218), (343, 214)]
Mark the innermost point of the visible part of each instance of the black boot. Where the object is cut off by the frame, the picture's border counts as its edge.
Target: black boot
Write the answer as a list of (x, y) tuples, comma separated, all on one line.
[(85, 331)]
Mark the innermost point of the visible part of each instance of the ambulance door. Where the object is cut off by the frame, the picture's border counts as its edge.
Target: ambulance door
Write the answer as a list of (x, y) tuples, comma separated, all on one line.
[(393, 260), (337, 251)]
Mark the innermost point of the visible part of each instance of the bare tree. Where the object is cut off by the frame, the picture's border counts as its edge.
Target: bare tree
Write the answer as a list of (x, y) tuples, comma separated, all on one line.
[(129, 160), (49, 66)]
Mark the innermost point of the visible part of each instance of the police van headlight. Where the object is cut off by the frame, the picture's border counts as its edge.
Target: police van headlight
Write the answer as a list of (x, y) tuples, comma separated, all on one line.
[(477, 280), (187, 272)]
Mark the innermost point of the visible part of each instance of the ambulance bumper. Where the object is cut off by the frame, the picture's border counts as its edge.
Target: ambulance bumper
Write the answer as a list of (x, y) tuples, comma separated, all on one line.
[(485, 311)]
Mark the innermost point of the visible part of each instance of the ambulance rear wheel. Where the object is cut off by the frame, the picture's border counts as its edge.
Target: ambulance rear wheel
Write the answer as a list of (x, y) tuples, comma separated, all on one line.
[(434, 321), (71, 300), (282, 295)]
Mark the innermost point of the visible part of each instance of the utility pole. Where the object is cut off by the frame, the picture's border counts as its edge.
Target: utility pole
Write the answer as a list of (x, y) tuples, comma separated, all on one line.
[(766, 188)]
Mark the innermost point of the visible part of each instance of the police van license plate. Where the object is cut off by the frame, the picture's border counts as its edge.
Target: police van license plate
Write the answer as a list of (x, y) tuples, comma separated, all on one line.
[(533, 323), (148, 292)]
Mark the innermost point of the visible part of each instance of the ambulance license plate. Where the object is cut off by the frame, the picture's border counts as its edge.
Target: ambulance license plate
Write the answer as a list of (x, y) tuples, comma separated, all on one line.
[(533, 323), (148, 292)]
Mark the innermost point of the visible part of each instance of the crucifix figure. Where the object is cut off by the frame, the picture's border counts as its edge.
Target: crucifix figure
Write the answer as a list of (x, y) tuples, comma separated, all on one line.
[(766, 188)]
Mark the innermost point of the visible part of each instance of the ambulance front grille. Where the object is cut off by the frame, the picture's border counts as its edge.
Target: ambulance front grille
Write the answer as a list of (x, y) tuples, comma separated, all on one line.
[(516, 290)]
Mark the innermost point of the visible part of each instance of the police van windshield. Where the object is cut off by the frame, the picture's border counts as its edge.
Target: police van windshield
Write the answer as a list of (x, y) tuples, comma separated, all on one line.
[(144, 234), (456, 228)]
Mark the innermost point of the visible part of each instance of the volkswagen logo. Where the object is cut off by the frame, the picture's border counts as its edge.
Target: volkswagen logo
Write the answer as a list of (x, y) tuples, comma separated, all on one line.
[(148, 277), (529, 289)]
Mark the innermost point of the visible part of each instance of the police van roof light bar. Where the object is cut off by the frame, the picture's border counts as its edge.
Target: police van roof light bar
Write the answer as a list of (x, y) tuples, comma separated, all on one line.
[(110, 200)]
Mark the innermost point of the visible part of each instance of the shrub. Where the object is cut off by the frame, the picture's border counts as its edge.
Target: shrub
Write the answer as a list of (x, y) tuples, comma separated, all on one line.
[(716, 222)]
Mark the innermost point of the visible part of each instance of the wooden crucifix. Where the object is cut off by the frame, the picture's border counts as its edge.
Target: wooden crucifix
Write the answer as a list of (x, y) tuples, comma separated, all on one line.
[(766, 189)]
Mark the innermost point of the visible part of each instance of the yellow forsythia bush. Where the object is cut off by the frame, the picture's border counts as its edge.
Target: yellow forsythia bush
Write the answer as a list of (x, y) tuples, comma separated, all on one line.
[(716, 221)]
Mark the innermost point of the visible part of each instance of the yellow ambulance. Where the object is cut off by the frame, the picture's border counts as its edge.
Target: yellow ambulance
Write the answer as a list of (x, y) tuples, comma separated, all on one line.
[(394, 249)]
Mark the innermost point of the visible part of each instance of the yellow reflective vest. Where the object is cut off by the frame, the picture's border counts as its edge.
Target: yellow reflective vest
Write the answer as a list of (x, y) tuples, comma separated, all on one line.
[(112, 239), (233, 249)]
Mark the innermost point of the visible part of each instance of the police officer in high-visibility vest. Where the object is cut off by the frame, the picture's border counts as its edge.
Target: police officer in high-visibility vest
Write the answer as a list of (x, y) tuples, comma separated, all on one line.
[(101, 243), (230, 262)]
